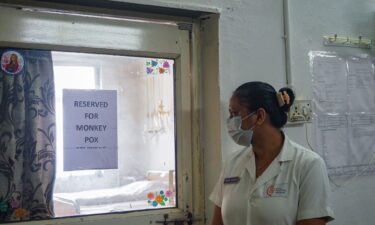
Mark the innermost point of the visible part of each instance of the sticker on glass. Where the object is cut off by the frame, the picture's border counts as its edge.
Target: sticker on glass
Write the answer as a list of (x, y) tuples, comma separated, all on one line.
[(12, 62)]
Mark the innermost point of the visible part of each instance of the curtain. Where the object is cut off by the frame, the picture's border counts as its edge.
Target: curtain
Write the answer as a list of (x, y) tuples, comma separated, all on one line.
[(27, 135)]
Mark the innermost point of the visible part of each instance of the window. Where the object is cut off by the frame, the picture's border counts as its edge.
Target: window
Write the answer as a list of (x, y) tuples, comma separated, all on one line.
[(147, 123), (144, 174), (69, 77)]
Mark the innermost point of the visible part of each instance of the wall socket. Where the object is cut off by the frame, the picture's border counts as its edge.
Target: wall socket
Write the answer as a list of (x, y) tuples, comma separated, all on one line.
[(300, 112)]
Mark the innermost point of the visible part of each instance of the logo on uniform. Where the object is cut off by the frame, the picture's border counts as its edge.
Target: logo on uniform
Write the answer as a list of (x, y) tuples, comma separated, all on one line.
[(12, 62), (276, 190), (270, 190)]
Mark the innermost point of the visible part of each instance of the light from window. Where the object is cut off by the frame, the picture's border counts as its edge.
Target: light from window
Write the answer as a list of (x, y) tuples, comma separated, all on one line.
[(145, 177), (69, 77)]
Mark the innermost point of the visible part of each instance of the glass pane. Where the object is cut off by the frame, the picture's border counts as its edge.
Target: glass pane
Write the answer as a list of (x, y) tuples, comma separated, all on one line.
[(115, 134)]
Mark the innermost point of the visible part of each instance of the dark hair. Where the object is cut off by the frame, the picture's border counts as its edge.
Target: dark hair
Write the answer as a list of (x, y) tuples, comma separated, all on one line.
[(255, 95)]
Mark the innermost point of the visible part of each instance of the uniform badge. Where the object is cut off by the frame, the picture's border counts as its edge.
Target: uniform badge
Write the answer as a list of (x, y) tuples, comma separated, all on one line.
[(12, 62), (231, 180)]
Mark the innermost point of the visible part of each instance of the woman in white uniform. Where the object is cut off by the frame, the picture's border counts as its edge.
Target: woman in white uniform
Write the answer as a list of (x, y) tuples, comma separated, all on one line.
[(272, 181)]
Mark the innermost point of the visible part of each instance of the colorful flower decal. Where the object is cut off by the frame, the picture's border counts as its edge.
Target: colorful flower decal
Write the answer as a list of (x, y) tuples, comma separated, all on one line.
[(154, 63), (150, 195), (21, 213), (149, 70), (159, 198), (166, 64), (158, 66), (3, 207), (15, 204), (168, 193), (161, 70), (17, 214), (11, 208)]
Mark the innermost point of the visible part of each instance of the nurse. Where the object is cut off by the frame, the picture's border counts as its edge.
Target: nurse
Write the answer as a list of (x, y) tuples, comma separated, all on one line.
[(273, 180)]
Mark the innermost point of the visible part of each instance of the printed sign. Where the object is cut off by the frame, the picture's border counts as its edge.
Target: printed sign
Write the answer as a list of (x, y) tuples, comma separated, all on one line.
[(90, 129)]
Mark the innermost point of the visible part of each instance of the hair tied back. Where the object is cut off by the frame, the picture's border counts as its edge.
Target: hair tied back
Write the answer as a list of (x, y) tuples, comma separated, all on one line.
[(283, 98)]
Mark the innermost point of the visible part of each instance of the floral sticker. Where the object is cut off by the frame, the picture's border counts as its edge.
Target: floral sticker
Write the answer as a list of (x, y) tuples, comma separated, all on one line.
[(13, 211), (3, 207), (21, 213), (159, 198), (158, 66)]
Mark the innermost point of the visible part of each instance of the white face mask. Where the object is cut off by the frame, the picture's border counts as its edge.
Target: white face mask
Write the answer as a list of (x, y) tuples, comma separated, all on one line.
[(240, 136)]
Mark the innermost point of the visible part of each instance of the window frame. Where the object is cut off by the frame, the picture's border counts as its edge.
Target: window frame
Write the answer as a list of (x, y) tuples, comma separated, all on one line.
[(189, 179)]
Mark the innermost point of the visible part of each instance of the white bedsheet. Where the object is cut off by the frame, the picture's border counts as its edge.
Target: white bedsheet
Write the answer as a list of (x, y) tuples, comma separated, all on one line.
[(135, 191)]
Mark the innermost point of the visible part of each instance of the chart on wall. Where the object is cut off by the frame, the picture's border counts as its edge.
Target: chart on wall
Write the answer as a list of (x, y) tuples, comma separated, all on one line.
[(90, 129), (344, 112)]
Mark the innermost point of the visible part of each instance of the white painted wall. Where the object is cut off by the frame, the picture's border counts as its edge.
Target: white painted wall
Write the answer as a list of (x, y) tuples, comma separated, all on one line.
[(354, 202), (311, 20)]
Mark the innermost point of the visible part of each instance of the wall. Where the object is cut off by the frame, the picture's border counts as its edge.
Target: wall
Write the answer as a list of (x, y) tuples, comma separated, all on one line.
[(353, 202), (311, 20)]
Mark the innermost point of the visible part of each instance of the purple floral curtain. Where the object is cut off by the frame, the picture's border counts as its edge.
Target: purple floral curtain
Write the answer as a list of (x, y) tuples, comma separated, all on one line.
[(27, 135)]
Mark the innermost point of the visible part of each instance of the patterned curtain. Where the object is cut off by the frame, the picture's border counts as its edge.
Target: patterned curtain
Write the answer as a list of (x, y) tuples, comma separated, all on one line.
[(27, 135)]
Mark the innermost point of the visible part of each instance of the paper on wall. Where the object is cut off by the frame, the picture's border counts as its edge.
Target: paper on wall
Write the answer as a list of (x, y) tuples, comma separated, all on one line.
[(344, 112)]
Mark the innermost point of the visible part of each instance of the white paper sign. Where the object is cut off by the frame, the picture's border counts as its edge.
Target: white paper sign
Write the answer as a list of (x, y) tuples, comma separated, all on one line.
[(361, 85), (90, 129), (344, 112), (329, 84)]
